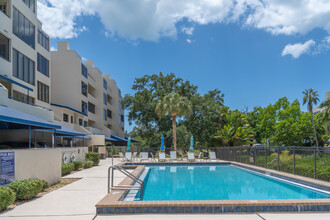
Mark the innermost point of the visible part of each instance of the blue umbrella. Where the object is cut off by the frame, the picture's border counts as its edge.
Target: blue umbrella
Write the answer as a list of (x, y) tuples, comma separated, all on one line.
[(162, 143), (129, 144), (191, 148)]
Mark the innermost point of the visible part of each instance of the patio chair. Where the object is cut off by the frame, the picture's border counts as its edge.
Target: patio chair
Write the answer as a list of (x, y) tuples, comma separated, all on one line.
[(134, 156), (144, 156), (212, 156), (121, 156), (161, 157), (191, 156), (173, 156), (128, 156)]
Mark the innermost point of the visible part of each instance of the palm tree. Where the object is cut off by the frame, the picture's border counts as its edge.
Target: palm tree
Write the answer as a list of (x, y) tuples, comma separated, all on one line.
[(311, 97), (175, 106)]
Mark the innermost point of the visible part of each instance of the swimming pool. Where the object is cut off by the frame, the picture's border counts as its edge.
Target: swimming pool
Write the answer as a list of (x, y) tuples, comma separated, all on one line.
[(218, 182)]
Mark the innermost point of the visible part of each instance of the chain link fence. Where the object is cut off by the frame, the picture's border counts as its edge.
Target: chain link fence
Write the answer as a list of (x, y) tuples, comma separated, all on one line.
[(304, 161)]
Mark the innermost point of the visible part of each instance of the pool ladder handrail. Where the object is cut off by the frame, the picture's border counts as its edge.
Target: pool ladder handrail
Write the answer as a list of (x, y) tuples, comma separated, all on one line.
[(126, 173)]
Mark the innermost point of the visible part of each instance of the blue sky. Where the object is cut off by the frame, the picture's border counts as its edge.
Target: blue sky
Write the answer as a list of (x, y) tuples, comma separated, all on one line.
[(252, 65)]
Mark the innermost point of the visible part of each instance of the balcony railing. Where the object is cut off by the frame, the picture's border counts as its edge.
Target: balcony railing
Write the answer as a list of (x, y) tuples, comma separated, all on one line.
[(29, 103)]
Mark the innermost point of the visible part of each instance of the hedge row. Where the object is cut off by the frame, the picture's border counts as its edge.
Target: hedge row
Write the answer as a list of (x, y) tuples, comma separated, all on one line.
[(21, 190)]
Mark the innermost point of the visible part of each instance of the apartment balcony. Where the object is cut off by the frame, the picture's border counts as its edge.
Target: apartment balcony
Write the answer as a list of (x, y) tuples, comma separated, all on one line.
[(94, 130), (91, 116), (91, 98), (91, 82)]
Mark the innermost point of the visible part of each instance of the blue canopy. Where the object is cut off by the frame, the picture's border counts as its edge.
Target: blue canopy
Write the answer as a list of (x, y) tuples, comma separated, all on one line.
[(65, 131), (14, 119), (119, 139), (132, 140), (109, 139)]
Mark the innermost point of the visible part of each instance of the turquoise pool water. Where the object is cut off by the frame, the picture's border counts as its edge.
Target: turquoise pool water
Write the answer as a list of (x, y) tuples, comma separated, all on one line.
[(218, 182)]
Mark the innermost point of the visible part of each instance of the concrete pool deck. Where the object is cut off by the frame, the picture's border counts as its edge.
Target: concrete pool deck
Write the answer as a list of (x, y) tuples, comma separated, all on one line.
[(77, 201)]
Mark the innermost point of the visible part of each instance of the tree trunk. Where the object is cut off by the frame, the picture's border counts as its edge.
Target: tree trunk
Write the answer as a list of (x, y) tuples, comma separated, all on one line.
[(174, 130), (317, 143)]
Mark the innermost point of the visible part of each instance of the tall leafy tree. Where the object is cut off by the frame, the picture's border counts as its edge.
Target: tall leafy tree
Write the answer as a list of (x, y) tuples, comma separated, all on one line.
[(174, 105), (311, 97)]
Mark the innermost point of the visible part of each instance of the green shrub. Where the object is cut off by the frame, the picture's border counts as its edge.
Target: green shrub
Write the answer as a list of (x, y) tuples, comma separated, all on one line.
[(45, 184), (26, 189), (93, 156), (88, 164), (67, 168), (7, 197), (77, 164)]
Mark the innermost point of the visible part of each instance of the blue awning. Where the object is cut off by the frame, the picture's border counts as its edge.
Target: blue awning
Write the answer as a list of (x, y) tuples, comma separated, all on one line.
[(109, 139), (16, 83), (65, 131), (119, 139), (132, 140), (14, 119)]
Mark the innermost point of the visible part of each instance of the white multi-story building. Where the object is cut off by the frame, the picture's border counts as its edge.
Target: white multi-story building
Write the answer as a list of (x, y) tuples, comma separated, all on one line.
[(24, 55), (317, 109), (83, 98)]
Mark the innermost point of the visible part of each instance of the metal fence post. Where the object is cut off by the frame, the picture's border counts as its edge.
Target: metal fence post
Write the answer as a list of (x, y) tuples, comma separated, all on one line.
[(314, 162), (235, 154), (294, 160), (278, 158), (240, 154), (255, 156), (266, 157)]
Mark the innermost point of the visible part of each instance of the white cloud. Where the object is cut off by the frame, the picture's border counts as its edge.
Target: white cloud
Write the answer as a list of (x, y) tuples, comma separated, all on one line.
[(53, 48), (296, 50), (58, 16), (153, 19), (189, 41), (188, 30)]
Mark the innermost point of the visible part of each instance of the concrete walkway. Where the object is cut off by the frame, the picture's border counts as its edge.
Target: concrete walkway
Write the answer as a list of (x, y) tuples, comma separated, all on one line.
[(77, 201)]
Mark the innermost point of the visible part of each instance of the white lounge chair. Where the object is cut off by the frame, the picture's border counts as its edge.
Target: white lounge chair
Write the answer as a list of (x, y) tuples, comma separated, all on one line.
[(121, 155), (128, 156), (212, 156), (134, 156), (173, 155), (144, 156), (191, 156), (161, 157)]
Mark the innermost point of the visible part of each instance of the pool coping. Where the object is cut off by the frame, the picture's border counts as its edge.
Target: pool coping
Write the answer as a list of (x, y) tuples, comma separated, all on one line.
[(112, 203)]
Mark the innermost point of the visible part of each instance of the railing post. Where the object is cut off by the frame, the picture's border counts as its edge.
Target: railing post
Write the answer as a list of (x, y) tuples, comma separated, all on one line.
[(278, 158), (314, 162), (294, 160), (266, 157), (240, 154), (255, 156), (235, 154)]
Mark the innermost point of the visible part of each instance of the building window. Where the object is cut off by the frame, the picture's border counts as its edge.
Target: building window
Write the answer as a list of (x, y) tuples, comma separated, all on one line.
[(122, 118), (91, 107), (71, 119), (30, 4), (84, 71), (85, 124), (119, 106), (80, 122), (65, 117), (105, 84), (83, 88), (109, 113), (119, 121), (43, 65), (43, 92), (23, 97), (104, 98), (43, 39), (23, 67), (3, 7), (119, 93), (23, 28), (104, 114), (4, 47), (84, 107)]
